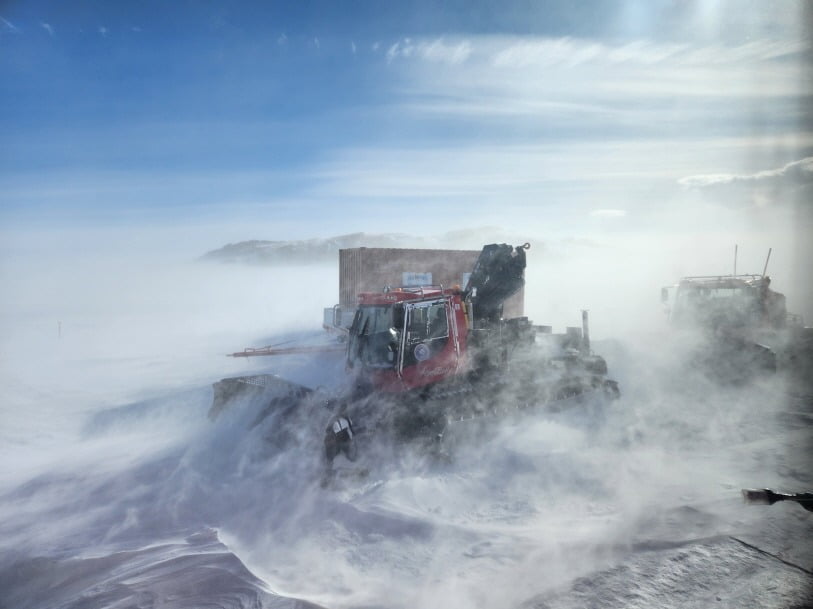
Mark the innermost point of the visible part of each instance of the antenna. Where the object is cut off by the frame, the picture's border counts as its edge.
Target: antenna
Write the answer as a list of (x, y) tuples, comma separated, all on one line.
[(735, 259), (765, 270), (585, 332)]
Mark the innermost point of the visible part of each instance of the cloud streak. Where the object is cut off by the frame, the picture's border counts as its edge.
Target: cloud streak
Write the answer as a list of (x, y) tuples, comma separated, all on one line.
[(560, 88), (522, 52), (573, 52), (7, 26), (787, 187), (795, 173), (434, 51)]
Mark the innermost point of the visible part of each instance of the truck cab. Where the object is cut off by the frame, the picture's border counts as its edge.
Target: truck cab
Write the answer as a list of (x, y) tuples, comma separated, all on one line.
[(407, 338), (733, 303)]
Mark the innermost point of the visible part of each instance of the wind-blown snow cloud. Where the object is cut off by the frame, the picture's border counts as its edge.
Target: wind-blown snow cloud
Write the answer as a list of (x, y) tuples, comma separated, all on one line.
[(582, 142)]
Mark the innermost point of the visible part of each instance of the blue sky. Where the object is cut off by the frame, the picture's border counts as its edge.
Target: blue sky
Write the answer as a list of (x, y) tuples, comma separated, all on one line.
[(306, 119)]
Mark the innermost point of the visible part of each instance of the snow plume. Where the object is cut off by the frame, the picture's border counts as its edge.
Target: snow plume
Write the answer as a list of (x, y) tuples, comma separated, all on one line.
[(109, 356), (529, 503), (124, 486), (97, 325)]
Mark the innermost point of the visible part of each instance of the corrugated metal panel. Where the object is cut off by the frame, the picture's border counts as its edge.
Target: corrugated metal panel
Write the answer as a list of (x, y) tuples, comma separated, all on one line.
[(371, 269)]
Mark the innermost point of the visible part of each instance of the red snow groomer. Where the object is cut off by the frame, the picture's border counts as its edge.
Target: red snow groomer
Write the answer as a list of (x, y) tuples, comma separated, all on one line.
[(409, 338), (423, 358)]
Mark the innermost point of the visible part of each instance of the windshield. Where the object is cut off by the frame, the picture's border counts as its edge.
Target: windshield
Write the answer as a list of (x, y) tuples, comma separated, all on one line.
[(373, 336), (427, 331), (372, 320), (427, 321)]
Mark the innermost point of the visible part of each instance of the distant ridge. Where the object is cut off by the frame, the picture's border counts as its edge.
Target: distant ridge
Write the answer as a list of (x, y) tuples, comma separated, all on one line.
[(318, 251)]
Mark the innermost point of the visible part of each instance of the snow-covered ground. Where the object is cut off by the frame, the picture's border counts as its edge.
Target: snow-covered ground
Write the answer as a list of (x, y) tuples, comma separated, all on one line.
[(116, 490)]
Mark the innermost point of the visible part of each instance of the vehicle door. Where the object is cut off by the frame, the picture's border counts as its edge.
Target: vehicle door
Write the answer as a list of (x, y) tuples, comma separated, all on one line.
[(428, 345)]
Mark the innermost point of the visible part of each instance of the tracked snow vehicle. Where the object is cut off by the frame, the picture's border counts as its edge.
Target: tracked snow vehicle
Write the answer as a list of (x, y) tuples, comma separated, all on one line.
[(744, 324), (422, 358)]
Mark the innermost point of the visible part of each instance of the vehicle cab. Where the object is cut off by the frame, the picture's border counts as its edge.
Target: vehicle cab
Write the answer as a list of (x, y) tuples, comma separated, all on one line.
[(406, 338), (735, 302)]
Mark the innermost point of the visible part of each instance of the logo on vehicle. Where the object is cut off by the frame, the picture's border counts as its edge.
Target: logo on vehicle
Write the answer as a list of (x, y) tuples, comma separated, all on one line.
[(422, 352), (439, 371)]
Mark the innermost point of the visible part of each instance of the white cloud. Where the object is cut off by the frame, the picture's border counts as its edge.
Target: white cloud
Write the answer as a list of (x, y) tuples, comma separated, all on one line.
[(436, 51), (439, 50), (282, 40), (8, 26), (402, 48), (597, 84), (48, 28), (485, 172), (103, 30), (794, 173), (572, 51), (353, 47), (316, 42), (788, 186), (519, 52)]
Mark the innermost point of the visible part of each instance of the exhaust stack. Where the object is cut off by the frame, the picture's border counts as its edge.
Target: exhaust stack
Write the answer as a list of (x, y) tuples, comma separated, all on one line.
[(735, 260), (585, 333)]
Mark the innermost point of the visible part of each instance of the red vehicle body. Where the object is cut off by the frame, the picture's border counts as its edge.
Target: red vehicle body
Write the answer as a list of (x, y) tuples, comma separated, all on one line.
[(409, 338)]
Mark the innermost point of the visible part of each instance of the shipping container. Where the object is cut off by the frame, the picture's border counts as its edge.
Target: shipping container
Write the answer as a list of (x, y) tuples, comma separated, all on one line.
[(372, 269)]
